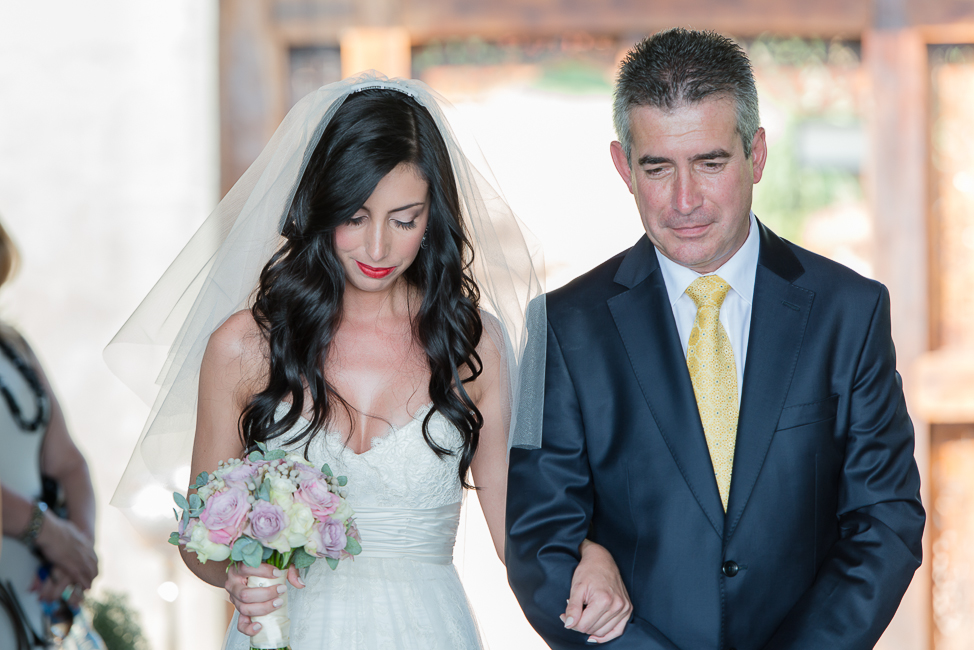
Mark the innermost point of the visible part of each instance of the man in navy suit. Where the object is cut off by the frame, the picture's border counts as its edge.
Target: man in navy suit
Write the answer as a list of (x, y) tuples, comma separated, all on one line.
[(801, 529)]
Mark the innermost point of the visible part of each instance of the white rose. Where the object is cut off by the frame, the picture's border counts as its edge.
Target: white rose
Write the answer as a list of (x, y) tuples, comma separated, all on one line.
[(302, 520), (205, 550), (281, 490), (343, 512)]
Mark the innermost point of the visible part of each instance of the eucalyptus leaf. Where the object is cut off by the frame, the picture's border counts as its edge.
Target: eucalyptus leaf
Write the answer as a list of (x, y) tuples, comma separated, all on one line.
[(342, 481), (264, 491), (254, 456), (175, 512), (195, 502), (180, 500), (302, 559), (253, 557), (202, 479), (267, 553), (174, 539), (326, 470), (352, 547), (239, 548), (262, 446), (332, 562), (277, 454)]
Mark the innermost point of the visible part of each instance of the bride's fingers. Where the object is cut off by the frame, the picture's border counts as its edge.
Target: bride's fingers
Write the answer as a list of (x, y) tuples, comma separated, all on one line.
[(613, 633), (602, 612), (597, 612), (265, 602), (573, 612), (294, 577), (605, 627), (246, 625)]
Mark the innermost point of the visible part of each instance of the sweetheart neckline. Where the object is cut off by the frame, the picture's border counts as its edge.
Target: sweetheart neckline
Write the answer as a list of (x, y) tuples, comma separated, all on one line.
[(392, 429)]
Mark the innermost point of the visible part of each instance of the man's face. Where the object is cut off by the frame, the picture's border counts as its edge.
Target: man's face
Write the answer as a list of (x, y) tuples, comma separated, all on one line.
[(691, 181)]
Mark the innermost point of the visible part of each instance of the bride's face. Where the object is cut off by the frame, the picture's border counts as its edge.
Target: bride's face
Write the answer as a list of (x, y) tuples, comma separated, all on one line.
[(382, 239)]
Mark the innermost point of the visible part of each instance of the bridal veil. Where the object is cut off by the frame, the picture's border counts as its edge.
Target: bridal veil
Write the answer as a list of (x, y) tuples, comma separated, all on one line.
[(158, 351)]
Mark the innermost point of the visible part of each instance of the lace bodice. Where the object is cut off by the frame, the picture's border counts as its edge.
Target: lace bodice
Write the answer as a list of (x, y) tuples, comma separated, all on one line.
[(399, 470)]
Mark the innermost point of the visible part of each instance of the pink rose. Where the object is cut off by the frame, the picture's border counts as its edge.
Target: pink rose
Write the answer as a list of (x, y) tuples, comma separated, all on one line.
[(329, 536), (266, 521), (225, 514), (315, 494)]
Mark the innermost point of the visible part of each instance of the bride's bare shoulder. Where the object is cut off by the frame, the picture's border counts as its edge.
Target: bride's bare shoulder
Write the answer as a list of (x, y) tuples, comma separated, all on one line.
[(492, 360), (237, 349)]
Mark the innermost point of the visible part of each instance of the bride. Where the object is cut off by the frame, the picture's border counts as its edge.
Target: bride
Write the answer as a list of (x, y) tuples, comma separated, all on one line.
[(389, 336)]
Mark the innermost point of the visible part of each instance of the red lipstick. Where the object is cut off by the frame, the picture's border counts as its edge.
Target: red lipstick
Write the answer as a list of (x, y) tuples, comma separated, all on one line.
[(373, 272)]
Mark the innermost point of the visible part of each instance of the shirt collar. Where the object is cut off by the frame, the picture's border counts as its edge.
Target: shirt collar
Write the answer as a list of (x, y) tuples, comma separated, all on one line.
[(738, 271)]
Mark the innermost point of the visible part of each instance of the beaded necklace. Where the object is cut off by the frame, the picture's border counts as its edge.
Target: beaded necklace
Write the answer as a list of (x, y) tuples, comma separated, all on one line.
[(42, 401)]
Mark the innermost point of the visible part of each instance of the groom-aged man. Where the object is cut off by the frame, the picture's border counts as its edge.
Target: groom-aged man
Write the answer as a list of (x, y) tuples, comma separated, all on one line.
[(722, 408)]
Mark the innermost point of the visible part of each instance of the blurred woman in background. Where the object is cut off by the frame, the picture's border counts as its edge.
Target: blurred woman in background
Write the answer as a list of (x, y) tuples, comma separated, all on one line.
[(46, 558)]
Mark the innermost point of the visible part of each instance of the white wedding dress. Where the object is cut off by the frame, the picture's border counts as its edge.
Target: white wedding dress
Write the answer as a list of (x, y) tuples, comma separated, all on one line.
[(402, 592)]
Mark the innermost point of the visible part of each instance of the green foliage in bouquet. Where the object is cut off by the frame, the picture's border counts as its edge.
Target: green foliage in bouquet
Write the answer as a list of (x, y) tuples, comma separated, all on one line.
[(116, 622)]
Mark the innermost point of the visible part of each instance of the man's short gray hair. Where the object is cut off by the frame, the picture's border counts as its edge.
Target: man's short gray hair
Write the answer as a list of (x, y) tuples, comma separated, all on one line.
[(678, 67)]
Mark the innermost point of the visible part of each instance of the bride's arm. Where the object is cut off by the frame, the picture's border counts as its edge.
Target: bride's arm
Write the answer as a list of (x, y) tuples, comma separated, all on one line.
[(599, 604), (232, 371)]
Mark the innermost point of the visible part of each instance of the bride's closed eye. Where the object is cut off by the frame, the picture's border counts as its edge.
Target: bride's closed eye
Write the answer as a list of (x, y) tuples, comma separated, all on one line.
[(405, 225)]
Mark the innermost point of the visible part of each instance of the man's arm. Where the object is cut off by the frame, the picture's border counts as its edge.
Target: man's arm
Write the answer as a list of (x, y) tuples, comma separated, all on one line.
[(862, 580), (549, 507)]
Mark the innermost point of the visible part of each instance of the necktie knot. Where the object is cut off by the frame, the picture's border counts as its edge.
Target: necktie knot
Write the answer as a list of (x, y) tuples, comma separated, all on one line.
[(708, 291)]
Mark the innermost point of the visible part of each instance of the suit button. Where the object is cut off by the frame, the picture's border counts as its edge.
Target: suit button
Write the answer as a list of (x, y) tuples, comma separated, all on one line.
[(730, 568)]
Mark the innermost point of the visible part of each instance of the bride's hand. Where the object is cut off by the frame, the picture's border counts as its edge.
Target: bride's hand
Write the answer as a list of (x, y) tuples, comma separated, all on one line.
[(599, 604), (256, 601)]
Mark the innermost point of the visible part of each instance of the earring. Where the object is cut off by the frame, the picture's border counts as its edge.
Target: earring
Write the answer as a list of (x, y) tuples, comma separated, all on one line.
[(423, 243)]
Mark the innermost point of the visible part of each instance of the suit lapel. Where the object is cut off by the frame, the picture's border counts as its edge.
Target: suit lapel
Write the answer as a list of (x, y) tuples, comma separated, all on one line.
[(779, 314), (644, 318)]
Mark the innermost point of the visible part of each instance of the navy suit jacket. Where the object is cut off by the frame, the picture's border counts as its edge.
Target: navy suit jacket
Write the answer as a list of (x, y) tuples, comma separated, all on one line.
[(822, 532)]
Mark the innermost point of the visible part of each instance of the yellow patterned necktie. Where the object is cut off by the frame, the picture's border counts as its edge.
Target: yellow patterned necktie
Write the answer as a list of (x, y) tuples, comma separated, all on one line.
[(710, 359)]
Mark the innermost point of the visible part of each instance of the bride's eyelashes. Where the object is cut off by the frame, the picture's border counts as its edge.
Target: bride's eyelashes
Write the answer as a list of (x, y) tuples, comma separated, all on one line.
[(359, 220), (405, 225)]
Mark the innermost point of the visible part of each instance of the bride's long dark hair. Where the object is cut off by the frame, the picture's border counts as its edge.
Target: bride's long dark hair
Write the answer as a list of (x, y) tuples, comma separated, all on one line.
[(298, 304)]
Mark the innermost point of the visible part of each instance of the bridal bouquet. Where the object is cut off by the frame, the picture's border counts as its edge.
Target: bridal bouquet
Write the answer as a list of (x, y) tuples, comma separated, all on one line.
[(270, 507)]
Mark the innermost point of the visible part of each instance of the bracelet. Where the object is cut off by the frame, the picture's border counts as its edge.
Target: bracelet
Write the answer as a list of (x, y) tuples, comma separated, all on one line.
[(34, 526)]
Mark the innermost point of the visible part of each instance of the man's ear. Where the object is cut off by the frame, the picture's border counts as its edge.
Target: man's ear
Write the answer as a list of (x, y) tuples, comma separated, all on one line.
[(759, 153), (621, 161)]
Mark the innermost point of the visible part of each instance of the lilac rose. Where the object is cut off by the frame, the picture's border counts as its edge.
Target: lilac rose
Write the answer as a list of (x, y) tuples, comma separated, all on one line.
[(315, 494), (241, 473), (329, 537), (186, 526), (267, 521), (225, 514)]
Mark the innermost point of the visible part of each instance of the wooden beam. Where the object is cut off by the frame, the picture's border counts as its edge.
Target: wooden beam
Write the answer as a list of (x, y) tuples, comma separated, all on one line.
[(252, 89), (386, 49), (895, 59)]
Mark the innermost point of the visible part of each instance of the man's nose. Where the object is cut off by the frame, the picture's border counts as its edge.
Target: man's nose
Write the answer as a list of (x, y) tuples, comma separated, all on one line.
[(686, 193)]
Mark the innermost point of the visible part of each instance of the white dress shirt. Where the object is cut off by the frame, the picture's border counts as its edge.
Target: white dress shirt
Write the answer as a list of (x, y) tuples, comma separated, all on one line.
[(735, 312)]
